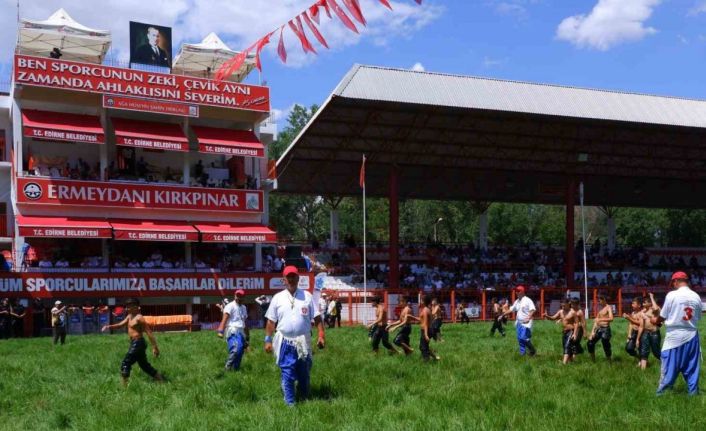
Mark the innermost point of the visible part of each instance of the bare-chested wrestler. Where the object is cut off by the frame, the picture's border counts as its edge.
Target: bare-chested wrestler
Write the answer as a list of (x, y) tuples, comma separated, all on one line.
[(405, 322), (635, 326), (380, 327), (567, 317), (136, 327), (581, 330), (496, 310), (651, 337), (601, 329)]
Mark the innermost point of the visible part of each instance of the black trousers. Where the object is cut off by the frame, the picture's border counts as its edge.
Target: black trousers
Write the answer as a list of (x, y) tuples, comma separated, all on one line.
[(59, 333), (576, 348), (497, 326), (603, 335), (37, 324), (650, 342), (566, 341), (137, 353), (631, 344), (379, 335), (436, 329), (403, 336), (4, 327), (424, 348)]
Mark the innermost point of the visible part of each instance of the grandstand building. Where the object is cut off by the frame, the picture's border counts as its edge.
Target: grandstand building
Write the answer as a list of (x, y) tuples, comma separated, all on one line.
[(118, 180)]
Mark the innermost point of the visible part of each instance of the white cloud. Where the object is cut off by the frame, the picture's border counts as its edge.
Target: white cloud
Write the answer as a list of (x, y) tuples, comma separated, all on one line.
[(610, 23), (238, 22), (698, 8), (280, 116), (418, 67), (683, 39)]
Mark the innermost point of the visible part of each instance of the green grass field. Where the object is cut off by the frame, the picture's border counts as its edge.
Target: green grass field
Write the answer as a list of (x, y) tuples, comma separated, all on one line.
[(480, 383)]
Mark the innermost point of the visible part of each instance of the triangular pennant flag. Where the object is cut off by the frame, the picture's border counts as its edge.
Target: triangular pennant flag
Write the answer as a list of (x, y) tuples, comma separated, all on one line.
[(386, 3), (258, 48), (314, 12), (326, 7), (299, 31), (342, 15), (281, 51), (354, 7), (314, 30), (361, 179), (232, 65)]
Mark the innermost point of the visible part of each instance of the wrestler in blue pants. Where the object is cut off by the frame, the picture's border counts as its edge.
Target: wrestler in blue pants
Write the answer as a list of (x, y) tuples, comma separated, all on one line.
[(524, 339), (293, 369), (236, 346), (684, 359)]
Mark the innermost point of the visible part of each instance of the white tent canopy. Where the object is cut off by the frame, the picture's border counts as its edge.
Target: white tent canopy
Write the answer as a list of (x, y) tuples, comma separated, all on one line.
[(203, 59), (76, 41)]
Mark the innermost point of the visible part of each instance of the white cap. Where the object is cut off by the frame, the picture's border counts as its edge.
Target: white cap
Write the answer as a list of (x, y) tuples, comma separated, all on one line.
[(57, 303)]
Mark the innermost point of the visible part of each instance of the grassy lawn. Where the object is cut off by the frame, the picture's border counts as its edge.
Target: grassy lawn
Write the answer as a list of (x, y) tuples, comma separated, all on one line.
[(480, 383)]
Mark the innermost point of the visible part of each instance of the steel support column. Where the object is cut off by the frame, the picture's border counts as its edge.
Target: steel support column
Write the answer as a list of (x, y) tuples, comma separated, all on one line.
[(394, 280)]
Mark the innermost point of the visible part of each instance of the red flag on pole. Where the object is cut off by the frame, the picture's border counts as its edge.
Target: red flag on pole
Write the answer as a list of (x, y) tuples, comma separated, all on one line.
[(362, 173), (258, 48), (298, 30)]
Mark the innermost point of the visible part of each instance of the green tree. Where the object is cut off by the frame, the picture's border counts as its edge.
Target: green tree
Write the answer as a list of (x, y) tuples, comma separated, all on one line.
[(295, 216)]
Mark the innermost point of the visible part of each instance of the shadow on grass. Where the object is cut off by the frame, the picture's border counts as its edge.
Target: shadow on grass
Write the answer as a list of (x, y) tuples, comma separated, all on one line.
[(325, 391)]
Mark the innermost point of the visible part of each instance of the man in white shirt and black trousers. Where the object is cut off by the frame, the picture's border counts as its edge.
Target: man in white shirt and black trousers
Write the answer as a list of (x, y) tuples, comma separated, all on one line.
[(681, 351), (291, 311), (235, 330), (525, 309)]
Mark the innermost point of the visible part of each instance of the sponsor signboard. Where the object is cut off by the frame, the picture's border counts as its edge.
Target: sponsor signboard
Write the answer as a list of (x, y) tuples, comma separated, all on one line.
[(65, 232), (239, 237), (82, 285), (46, 191), (147, 105), (99, 79)]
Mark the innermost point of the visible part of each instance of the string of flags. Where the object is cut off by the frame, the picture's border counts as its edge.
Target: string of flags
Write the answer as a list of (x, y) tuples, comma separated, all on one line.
[(311, 18)]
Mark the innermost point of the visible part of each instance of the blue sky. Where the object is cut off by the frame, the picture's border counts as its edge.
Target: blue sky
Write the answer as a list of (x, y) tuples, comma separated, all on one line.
[(649, 46)]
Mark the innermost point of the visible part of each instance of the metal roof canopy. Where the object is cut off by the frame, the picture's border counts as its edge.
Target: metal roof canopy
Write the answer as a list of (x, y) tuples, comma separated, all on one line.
[(467, 138)]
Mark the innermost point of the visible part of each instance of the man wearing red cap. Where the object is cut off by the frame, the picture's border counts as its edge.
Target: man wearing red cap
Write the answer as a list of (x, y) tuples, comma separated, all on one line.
[(237, 333), (291, 312), (525, 309), (681, 351)]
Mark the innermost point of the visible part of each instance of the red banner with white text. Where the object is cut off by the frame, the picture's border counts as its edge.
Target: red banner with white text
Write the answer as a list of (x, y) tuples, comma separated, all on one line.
[(99, 79), (45, 191), (99, 285)]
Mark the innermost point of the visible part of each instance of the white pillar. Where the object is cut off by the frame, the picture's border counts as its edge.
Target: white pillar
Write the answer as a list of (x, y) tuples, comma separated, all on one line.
[(483, 231), (333, 239), (19, 255), (187, 254), (187, 169), (258, 257), (611, 234)]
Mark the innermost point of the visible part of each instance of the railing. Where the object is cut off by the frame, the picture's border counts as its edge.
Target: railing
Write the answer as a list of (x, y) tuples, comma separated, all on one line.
[(105, 270)]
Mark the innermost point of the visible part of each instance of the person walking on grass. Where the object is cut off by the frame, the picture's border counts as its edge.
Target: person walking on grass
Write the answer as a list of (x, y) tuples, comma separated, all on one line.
[(581, 329), (405, 322), (524, 309), (136, 328), (59, 319), (681, 352), (291, 312), (437, 319), (635, 327), (569, 321), (379, 328), (651, 338), (425, 330), (235, 330), (601, 330), (495, 312)]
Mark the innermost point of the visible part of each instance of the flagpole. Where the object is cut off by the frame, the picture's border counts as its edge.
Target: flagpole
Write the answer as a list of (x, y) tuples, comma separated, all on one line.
[(365, 256), (583, 238)]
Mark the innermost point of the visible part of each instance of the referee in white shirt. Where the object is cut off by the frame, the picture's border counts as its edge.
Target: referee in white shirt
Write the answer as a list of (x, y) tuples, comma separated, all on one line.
[(291, 312), (681, 351)]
